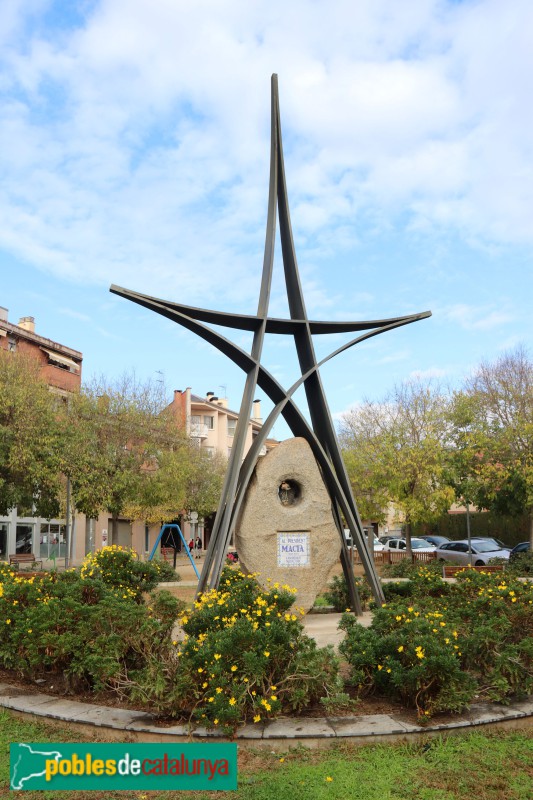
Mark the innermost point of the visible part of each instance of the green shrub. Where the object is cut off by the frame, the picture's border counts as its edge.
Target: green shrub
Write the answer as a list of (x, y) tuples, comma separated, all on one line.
[(407, 569), (119, 567), (435, 652), (165, 571), (407, 656), (244, 657), (521, 565), (395, 591), (83, 628), (337, 593)]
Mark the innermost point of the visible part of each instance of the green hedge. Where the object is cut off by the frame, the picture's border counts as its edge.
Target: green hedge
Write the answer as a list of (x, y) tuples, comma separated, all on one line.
[(510, 530)]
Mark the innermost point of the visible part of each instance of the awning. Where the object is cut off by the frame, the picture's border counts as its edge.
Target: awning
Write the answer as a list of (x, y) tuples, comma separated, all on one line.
[(67, 362)]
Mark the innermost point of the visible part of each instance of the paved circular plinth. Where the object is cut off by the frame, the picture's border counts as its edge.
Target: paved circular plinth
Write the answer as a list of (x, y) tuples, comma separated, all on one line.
[(121, 723)]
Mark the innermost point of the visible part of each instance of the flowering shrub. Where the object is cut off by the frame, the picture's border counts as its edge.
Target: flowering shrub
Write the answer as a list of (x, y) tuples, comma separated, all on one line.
[(436, 653), (91, 632), (119, 566), (407, 569), (244, 656)]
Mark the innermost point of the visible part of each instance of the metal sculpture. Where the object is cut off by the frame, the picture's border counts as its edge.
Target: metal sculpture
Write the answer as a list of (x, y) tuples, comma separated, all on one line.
[(320, 434)]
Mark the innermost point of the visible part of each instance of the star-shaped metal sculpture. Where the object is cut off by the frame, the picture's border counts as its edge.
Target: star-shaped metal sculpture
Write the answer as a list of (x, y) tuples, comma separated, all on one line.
[(320, 434)]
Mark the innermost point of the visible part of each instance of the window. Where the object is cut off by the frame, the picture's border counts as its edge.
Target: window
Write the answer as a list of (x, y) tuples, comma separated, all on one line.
[(210, 451), (11, 344), (209, 423), (232, 424), (52, 542)]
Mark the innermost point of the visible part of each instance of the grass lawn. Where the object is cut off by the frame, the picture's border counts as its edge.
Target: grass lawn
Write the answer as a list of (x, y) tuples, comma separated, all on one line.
[(462, 767)]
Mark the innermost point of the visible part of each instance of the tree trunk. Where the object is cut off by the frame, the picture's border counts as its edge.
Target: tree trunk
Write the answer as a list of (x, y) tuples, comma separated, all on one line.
[(531, 529), (408, 548)]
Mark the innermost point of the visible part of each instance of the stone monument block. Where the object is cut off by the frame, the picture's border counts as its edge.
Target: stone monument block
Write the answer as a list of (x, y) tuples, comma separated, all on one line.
[(286, 529)]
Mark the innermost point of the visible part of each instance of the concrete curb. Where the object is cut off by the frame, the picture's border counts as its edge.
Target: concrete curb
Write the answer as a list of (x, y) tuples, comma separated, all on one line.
[(281, 733)]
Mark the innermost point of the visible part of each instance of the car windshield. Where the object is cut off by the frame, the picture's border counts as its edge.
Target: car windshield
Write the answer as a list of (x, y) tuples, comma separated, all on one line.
[(484, 546), (497, 545), (417, 543)]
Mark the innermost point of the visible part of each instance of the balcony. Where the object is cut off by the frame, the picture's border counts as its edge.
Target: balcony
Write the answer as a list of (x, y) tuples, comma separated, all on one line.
[(199, 430)]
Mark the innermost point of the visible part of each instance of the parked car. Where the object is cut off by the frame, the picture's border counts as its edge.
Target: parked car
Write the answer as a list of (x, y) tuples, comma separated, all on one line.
[(420, 545), (501, 545), (377, 544), (482, 552), (348, 536), (433, 539), (521, 548), (388, 536)]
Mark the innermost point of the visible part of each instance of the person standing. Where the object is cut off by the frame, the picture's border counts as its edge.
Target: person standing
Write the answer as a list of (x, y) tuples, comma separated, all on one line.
[(198, 547)]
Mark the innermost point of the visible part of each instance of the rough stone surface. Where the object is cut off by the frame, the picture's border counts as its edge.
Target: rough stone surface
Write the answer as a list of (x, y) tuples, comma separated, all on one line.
[(265, 517)]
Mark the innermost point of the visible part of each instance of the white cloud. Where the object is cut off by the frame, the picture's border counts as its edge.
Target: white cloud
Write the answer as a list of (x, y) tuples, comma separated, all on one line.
[(477, 318), (134, 145)]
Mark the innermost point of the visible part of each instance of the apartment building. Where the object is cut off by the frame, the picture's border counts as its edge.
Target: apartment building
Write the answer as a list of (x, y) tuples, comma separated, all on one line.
[(60, 366), (212, 424)]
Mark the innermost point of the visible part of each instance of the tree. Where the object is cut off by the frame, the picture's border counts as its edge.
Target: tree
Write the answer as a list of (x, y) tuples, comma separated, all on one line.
[(118, 435), (186, 479), (30, 438), (499, 435), (395, 452)]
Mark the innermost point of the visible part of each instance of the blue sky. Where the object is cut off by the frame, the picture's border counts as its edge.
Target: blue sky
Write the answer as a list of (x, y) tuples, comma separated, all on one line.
[(134, 149)]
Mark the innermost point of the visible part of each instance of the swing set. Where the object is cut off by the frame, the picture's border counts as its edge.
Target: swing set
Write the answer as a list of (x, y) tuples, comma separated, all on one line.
[(172, 529)]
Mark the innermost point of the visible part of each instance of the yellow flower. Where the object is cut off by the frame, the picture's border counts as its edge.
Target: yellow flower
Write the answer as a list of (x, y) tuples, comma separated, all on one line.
[(400, 649), (266, 653), (281, 760), (257, 717), (217, 656), (200, 669), (232, 701), (234, 668), (204, 684), (328, 779)]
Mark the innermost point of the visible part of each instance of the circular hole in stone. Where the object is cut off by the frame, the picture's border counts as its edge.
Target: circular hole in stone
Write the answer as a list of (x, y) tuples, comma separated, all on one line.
[(289, 492)]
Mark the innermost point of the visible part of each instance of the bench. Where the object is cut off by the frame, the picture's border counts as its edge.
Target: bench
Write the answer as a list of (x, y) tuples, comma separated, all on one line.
[(24, 558), (449, 571)]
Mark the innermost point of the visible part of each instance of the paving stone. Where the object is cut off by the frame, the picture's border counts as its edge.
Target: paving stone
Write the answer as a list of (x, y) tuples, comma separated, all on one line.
[(253, 731), (22, 701), (305, 728), (480, 713), (150, 726), (62, 709), (524, 706), (369, 725), (103, 716)]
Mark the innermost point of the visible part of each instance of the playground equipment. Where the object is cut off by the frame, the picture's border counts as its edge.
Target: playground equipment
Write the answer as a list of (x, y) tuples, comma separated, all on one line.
[(172, 528)]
